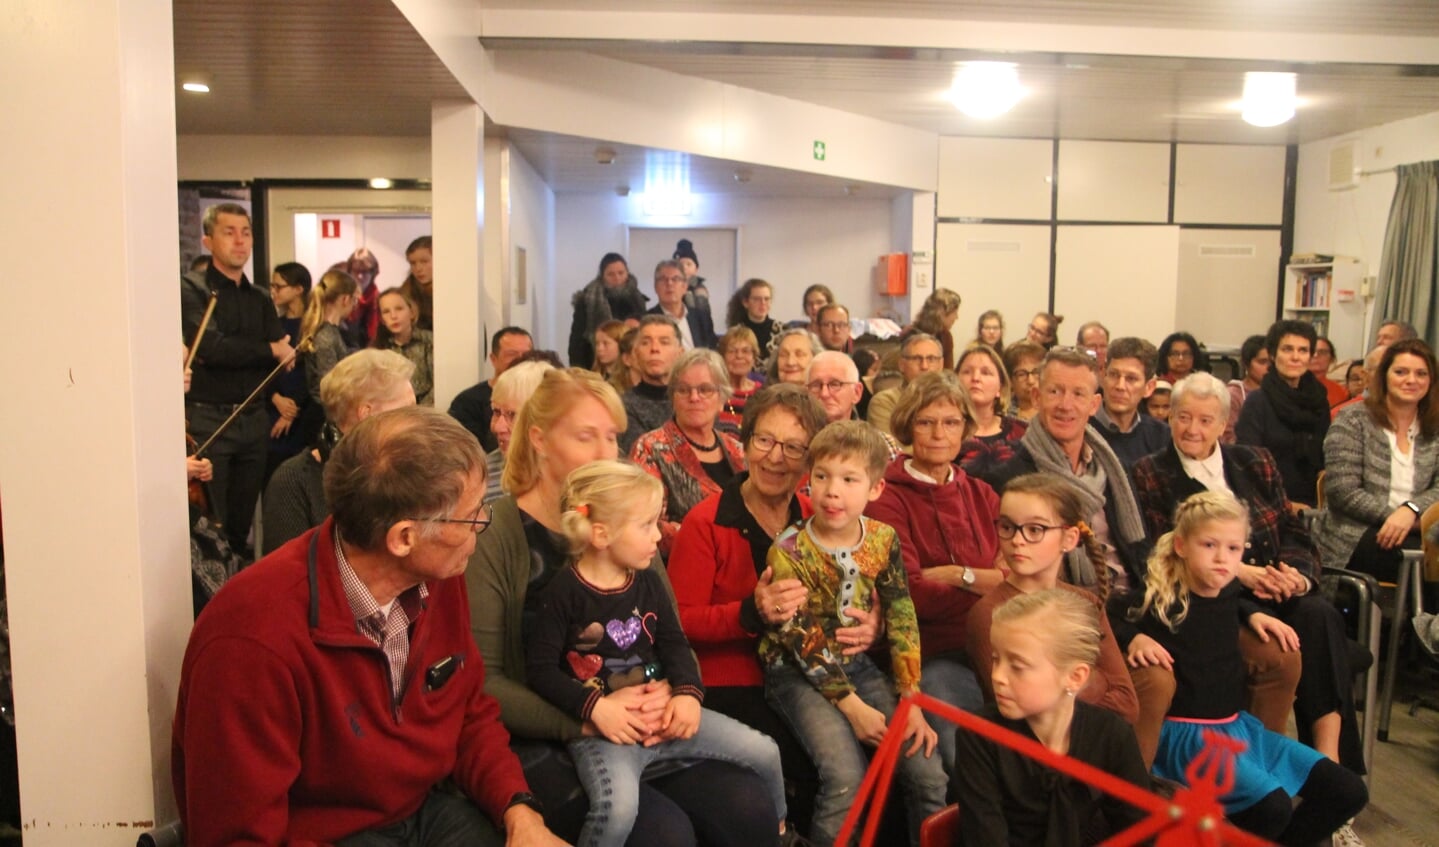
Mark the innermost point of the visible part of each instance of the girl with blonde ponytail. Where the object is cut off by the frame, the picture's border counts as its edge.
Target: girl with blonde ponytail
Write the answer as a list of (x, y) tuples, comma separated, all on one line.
[(607, 623), (1040, 521), (1188, 619), (321, 343)]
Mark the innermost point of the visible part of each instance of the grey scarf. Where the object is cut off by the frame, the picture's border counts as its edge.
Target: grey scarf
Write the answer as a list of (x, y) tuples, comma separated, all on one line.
[(1050, 457), (597, 303)]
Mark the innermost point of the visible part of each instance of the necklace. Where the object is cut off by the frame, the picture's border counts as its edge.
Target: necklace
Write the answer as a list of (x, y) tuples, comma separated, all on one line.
[(713, 445), (771, 523)]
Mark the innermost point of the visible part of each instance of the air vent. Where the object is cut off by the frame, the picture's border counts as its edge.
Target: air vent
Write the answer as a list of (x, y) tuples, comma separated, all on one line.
[(992, 246), (1344, 165), (1226, 251)]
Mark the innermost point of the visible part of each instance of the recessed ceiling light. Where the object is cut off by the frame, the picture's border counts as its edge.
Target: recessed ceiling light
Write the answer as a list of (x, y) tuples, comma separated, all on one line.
[(195, 83), (1269, 98), (986, 89), (381, 182), (604, 156)]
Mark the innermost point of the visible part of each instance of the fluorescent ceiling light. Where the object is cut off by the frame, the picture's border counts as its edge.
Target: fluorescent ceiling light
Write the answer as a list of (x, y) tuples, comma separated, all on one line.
[(986, 89), (195, 82), (1269, 98), (380, 182)]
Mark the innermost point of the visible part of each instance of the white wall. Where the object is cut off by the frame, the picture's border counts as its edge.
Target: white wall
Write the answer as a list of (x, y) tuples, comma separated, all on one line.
[(791, 242), (1352, 222), (532, 226)]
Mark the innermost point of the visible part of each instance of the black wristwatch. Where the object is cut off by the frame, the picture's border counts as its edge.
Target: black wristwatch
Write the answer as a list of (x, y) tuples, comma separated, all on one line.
[(1410, 504), (525, 798)]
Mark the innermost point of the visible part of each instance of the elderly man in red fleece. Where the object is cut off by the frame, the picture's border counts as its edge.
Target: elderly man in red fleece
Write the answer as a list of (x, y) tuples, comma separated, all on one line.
[(332, 693)]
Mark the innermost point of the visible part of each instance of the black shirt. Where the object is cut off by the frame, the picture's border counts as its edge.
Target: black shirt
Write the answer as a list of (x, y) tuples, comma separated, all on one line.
[(472, 409), (234, 355)]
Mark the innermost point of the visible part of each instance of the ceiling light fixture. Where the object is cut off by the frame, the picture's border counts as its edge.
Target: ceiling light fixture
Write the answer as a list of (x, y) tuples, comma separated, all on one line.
[(742, 176), (986, 89), (195, 83), (604, 156), (381, 182), (1269, 98)]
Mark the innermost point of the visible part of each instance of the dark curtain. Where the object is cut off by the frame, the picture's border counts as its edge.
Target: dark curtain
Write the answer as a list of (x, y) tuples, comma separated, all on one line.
[(1407, 281)]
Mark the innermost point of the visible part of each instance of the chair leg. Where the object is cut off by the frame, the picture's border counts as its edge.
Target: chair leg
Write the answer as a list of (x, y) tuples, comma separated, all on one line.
[(1408, 567)]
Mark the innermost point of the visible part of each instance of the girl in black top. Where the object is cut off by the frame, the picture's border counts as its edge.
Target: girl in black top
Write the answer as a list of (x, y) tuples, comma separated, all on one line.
[(1187, 619), (1045, 645)]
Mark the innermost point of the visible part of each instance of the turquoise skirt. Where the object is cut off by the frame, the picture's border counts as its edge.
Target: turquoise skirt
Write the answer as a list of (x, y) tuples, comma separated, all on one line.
[(1269, 760)]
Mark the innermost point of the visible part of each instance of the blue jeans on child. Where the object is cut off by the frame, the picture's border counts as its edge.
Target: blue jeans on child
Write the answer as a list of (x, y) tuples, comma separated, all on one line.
[(611, 773), (840, 757), (948, 678)]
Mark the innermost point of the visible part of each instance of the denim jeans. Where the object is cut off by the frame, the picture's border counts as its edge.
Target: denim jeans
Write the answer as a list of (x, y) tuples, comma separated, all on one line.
[(841, 759), (947, 678), (445, 820), (611, 773)]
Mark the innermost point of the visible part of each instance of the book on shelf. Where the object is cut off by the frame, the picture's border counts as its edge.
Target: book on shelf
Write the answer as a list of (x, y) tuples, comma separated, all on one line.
[(1310, 259)]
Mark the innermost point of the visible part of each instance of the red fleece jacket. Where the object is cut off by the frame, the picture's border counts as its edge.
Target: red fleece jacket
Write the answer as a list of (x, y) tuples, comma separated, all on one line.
[(285, 731), (950, 524)]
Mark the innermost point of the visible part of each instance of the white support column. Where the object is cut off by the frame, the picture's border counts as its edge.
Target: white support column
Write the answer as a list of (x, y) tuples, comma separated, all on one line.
[(91, 448), (463, 312)]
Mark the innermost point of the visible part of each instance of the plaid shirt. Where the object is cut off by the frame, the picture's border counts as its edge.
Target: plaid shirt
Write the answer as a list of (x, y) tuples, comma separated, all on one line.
[(1276, 534), (390, 632)]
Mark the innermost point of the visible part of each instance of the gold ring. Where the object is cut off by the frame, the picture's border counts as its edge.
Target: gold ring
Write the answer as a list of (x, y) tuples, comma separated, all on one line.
[(778, 608)]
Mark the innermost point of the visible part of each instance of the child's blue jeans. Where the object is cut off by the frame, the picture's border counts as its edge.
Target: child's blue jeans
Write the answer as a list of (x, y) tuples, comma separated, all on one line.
[(611, 772), (839, 756)]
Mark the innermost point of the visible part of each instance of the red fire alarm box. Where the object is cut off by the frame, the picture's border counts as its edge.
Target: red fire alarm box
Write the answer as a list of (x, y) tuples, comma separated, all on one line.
[(891, 275)]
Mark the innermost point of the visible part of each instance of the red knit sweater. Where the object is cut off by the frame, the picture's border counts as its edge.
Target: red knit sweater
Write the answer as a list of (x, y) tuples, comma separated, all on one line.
[(285, 732), (950, 524)]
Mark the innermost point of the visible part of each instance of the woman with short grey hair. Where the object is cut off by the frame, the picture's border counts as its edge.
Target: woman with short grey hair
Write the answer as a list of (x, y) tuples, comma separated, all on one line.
[(688, 454), (793, 350)]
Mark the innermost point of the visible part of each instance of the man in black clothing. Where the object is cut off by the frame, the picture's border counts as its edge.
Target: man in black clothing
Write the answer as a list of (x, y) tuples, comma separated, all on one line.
[(648, 404), (1128, 379), (696, 327), (471, 407), (242, 344)]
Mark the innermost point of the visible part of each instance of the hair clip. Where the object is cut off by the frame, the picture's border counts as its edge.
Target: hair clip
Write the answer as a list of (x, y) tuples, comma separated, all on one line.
[(583, 509), (1083, 528)]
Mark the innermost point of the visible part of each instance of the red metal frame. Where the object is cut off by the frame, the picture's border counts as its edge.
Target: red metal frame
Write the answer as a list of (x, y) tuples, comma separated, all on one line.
[(1193, 818)]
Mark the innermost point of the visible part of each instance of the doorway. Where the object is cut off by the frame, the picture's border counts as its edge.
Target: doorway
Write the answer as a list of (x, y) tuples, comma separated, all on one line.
[(717, 249)]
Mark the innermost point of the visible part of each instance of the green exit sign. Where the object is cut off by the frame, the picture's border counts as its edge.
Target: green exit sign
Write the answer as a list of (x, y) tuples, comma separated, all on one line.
[(819, 150)]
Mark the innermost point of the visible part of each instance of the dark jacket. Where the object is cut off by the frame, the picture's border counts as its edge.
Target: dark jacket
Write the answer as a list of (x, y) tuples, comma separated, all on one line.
[(1298, 451), (702, 326), (1276, 534), (1148, 436)]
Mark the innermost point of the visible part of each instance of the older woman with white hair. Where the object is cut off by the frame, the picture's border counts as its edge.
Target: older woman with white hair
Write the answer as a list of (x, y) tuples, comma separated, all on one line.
[(1281, 564), (794, 349), (512, 389), (362, 384), (688, 454)]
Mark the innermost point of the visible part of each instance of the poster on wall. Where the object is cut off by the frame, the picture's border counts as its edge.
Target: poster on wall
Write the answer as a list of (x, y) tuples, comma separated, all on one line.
[(195, 200)]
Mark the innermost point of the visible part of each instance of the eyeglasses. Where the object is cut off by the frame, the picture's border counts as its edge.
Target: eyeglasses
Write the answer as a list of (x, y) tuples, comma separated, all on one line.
[(478, 524), (832, 386), (740, 352), (928, 360), (932, 424), (1181, 354), (502, 415), (835, 325), (1031, 532), (792, 450), (706, 391), (274, 286), (1024, 374)]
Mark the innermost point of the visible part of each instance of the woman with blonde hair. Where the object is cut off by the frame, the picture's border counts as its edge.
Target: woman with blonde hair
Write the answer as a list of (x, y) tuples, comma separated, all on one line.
[(321, 345), (936, 317), (741, 352), (574, 417)]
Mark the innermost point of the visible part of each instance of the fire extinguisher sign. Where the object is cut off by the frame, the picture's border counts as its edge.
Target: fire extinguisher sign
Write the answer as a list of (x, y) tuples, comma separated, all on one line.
[(330, 228)]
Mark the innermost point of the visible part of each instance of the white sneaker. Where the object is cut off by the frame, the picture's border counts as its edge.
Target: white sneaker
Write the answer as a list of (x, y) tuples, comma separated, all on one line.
[(1344, 837)]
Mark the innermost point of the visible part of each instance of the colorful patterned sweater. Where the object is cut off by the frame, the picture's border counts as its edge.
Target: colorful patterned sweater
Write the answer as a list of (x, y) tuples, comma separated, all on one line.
[(837, 579)]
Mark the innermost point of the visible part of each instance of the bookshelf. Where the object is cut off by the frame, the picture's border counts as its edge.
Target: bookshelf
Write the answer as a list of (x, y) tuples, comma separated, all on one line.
[(1326, 292)]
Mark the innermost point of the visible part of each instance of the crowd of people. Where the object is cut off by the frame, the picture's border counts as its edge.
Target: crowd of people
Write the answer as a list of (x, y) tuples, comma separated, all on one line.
[(673, 592)]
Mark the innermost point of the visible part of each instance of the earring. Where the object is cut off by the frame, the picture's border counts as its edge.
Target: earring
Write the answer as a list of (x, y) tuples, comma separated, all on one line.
[(1069, 692)]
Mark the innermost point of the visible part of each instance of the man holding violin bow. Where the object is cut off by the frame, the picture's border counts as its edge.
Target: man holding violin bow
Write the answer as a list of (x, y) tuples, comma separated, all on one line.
[(236, 342)]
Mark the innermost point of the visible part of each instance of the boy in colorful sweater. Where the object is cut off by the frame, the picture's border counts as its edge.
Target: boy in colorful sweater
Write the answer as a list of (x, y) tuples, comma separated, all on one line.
[(838, 705)]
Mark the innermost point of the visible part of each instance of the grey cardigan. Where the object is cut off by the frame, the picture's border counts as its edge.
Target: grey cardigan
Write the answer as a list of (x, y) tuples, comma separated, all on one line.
[(1356, 481), (498, 578)]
